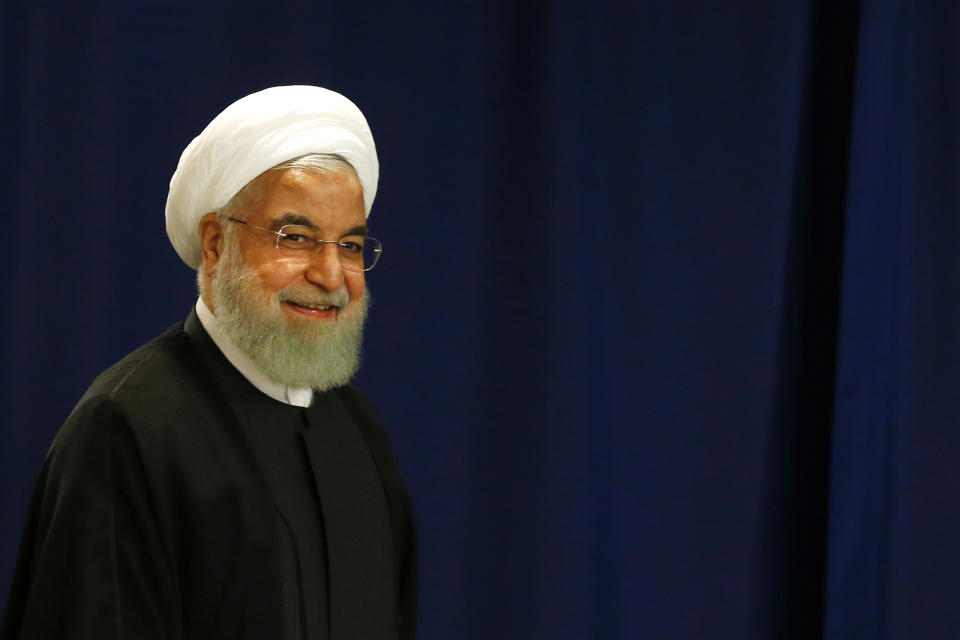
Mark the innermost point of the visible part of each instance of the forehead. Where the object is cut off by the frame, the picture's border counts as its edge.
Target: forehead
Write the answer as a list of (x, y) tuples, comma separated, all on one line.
[(327, 200)]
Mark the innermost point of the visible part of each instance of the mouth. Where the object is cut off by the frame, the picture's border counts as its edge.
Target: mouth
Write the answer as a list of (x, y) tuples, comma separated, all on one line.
[(312, 311)]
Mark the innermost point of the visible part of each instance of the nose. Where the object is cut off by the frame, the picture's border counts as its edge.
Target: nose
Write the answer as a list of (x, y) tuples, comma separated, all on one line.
[(324, 268)]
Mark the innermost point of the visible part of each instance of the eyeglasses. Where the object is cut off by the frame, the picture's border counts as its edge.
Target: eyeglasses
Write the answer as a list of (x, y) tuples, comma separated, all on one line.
[(357, 253)]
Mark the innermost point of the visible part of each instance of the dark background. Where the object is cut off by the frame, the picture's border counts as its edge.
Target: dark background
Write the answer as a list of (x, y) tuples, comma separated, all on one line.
[(666, 329)]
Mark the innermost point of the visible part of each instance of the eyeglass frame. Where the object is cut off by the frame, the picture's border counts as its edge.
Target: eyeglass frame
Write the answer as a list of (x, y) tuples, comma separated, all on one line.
[(378, 250)]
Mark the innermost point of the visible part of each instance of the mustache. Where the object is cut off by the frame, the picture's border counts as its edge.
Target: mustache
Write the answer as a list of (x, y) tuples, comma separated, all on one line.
[(338, 298)]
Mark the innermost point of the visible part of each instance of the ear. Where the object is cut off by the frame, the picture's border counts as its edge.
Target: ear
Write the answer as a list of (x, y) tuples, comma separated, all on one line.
[(211, 242)]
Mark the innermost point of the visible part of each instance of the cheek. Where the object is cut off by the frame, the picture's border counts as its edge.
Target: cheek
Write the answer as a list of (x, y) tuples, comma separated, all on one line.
[(356, 285), (276, 275)]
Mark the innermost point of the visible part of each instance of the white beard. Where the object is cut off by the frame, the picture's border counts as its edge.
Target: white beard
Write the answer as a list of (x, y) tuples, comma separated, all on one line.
[(308, 354)]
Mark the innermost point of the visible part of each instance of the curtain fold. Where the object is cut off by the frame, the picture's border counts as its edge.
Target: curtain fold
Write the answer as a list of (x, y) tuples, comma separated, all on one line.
[(893, 560)]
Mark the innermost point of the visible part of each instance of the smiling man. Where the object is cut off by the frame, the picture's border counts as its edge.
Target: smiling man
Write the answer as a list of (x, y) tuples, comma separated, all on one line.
[(225, 480), (287, 297)]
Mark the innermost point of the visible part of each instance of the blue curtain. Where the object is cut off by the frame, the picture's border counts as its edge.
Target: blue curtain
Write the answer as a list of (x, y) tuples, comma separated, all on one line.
[(665, 331), (894, 559)]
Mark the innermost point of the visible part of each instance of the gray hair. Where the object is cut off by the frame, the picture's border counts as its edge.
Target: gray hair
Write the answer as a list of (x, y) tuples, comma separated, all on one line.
[(322, 163)]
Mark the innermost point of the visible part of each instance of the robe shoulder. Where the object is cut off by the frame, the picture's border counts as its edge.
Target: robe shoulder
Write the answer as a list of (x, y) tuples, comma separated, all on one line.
[(91, 532), (157, 382), (132, 527), (164, 402)]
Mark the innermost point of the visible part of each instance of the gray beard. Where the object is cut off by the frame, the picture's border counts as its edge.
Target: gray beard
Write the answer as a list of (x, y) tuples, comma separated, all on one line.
[(313, 355)]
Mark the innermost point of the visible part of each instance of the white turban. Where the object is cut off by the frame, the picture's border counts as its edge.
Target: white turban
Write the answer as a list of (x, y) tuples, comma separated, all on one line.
[(253, 134)]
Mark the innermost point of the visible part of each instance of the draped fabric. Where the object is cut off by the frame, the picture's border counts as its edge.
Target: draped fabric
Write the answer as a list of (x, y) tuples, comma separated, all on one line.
[(894, 559), (664, 334)]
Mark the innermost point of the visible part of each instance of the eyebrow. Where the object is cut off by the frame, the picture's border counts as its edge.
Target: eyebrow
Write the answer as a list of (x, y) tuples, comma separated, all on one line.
[(302, 221), (291, 218), (359, 230)]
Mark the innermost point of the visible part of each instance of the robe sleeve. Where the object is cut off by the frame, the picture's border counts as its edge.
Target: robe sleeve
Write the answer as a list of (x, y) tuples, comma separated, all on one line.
[(93, 562), (404, 527)]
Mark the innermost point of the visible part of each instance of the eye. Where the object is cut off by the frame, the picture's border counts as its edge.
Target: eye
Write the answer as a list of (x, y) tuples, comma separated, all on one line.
[(294, 241), (294, 237), (351, 246)]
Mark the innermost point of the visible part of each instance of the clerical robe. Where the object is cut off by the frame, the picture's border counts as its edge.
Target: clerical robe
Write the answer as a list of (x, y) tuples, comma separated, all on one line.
[(160, 512)]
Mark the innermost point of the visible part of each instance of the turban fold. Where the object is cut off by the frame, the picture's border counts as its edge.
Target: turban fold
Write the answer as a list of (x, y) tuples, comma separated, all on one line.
[(253, 134)]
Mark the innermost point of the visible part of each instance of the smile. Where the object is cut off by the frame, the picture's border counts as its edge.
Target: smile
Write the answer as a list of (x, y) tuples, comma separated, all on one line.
[(316, 311)]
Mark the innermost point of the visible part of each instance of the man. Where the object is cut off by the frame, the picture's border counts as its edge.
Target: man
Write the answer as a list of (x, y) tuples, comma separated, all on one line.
[(225, 480)]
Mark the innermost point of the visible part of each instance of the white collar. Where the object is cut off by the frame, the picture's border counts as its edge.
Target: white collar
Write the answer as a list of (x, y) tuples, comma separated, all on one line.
[(242, 362)]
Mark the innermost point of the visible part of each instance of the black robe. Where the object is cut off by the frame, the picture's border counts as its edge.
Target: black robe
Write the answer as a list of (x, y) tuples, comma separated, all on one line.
[(152, 517)]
